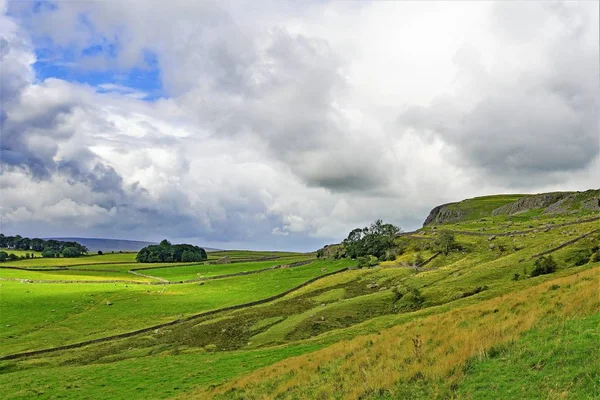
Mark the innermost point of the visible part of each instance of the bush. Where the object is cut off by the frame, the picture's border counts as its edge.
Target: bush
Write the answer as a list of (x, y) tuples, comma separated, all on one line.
[(367, 261), (71, 252), (48, 253), (543, 265), (3, 256), (12, 257), (581, 257), (100, 252), (412, 299), (595, 257), (418, 260), (445, 242)]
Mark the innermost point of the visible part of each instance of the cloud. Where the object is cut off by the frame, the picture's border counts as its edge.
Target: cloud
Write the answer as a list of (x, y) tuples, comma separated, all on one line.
[(539, 116), (286, 127)]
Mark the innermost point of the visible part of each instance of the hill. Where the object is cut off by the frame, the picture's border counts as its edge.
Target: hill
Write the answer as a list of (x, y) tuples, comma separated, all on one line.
[(514, 204), (108, 245), (510, 312)]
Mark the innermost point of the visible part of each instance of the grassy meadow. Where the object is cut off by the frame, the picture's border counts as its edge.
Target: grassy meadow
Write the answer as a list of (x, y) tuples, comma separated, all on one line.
[(470, 324)]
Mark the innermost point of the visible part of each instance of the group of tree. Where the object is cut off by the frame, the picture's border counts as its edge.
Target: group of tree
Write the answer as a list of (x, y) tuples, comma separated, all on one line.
[(373, 240), (167, 252), (49, 248)]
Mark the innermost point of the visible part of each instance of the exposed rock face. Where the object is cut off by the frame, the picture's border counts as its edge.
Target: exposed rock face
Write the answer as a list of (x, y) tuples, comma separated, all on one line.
[(444, 214), (530, 202)]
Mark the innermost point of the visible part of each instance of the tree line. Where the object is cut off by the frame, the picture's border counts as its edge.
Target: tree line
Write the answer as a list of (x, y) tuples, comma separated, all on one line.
[(49, 248), (167, 252), (379, 242)]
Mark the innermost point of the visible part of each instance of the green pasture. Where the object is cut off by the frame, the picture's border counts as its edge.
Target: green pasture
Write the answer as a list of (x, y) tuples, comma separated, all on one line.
[(199, 271), (37, 316)]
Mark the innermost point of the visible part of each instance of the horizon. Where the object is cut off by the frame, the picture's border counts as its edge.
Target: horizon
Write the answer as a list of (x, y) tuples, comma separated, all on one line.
[(278, 125)]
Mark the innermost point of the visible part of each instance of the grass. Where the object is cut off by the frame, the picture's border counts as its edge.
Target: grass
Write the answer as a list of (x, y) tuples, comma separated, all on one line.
[(199, 271), (37, 316), (71, 275), (557, 361), (348, 335), (388, 364), (61, 262), (20, 253)]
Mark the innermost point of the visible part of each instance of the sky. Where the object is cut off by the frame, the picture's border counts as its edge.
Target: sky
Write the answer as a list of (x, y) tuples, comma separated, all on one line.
[(284, 125)]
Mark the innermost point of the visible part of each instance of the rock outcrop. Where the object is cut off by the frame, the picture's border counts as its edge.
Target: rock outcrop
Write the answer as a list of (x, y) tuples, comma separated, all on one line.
[(444, 214), (531, 202)]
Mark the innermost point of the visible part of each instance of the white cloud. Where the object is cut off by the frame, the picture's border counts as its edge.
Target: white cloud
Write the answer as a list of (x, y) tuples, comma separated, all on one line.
[(282, 123)]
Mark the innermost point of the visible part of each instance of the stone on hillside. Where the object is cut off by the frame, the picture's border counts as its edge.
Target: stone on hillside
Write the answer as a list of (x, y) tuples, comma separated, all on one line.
[(109, 303), (372, 286), (492, 237)]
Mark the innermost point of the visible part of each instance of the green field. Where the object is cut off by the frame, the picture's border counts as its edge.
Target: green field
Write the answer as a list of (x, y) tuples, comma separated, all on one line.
[(486, 328), (70, 275), (61, 261), (80, 312), (199, 271)]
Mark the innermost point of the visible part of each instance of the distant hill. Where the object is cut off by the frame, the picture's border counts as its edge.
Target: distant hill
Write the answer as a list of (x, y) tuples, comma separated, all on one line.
[(515, 204), (106, 245)]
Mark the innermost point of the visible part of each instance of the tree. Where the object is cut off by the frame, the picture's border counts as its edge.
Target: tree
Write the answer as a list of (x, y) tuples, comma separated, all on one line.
[(445, 242), (166, 252), (374, 240), (13, 257), (48, 253), (38, 244), (71, 252), (100, 252), (3, 256), (543, 265)]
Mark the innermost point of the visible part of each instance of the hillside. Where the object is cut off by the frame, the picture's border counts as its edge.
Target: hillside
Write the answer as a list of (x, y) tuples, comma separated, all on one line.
[(428, 324), (515, 204)]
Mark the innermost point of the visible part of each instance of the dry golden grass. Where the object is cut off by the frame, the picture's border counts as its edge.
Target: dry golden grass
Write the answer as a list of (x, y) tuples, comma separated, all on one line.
[(435, 347)]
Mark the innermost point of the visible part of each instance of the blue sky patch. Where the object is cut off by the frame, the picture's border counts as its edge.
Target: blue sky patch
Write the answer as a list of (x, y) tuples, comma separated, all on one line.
[(143, 79)]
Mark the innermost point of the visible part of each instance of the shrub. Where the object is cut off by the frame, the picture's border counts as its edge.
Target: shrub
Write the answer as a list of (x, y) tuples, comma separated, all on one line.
[(581, 257), (3, 256), (413, 299), (71, 252), (12, 257), (418, 260), (543, 265), (100, 252), (445, 242), (48, 253), (367, 261)]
